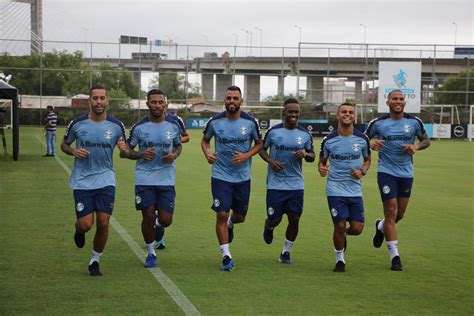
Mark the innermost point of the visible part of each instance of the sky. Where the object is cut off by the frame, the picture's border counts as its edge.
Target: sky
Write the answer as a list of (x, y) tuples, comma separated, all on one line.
[(227, 23)]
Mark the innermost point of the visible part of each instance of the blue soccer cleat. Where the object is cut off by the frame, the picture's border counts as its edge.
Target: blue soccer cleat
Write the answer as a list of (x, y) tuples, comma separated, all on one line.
[(227, 264), (150, 261)]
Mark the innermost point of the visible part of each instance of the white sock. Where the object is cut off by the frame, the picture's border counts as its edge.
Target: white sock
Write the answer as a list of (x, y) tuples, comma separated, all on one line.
[(229, 223), (392, 246), (287, 246), (95, 256), (380, 225), (150, 248), (339, 255), (225, 250)]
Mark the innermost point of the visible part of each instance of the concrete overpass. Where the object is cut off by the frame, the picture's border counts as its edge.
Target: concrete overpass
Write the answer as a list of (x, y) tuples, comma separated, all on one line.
[(315, 69)]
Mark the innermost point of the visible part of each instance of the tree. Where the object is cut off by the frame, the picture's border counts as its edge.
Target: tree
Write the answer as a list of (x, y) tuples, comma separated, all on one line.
[(118, 99), (456, 84), (62, 73), (173, 85), (278, 100)]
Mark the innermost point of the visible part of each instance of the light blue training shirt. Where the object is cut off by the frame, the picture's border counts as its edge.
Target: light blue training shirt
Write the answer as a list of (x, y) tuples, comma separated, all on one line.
[(283, 143), (99, 138)]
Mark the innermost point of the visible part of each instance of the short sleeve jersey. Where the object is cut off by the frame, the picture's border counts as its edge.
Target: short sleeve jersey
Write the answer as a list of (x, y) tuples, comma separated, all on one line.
[(232, 136), (395, 133), (162, 137), (283, 143), (178, 121), (344, 154), (99, 138)]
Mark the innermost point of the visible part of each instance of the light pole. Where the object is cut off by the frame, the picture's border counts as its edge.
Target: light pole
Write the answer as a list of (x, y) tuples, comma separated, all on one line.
[(300, 28), (455, 33), (261, 35), (365, 32)]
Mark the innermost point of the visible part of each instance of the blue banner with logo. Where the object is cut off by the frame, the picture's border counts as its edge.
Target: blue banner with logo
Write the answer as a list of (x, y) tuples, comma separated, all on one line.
[(196, 122)]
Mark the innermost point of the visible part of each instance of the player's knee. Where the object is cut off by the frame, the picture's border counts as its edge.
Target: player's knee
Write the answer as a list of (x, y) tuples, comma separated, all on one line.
[(399, 217), (166, 222), (103, 225), (357, 230), (238, 218), (340, 228), (83, 226)]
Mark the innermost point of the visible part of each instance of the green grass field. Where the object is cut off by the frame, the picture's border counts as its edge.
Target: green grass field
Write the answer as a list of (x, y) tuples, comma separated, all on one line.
[(42, 271)]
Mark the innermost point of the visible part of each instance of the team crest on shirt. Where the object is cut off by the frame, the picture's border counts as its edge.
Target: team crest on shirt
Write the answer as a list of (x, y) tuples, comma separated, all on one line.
[(108, 135), (333, 212), (217, 202), (406, 128), (79, 207), (138, 199), (243, 130), (168, 135), (270, 211), (299, 140), (356, 147), (386, 189)]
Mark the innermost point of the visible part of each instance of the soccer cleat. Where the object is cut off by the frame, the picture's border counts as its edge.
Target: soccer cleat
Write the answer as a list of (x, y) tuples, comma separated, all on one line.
[(285, 258), (159, 232), (396, 264), (379, 236), (268, 233), (339, 267), (227, 264), (150, 261), (230, 230), (79, 239), (94, 269), (160, 244)]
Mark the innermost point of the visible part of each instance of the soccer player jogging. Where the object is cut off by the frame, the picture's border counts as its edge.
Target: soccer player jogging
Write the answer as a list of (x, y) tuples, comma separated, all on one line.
[(288, 144), (234, 131), (160, 229), (395, 133), (155, 171), (93, 177), (348, 153)]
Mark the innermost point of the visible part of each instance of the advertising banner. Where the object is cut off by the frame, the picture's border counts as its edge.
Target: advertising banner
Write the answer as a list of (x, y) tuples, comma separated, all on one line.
[(196, 122), (404, 76), (441, 130), (459, 131)]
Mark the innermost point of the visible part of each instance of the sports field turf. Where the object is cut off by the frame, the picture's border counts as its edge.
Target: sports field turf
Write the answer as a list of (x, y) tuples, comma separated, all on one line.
[(42, 271)]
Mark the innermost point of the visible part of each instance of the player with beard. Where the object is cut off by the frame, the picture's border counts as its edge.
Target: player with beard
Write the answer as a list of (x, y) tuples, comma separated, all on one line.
[(395, 133), (93, 177), (159, 144), (233, 131), (344, 149), (176, 119), (289, 144)]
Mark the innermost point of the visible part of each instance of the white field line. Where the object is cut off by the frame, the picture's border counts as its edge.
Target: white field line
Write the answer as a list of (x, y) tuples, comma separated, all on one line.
[(181, 300)]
